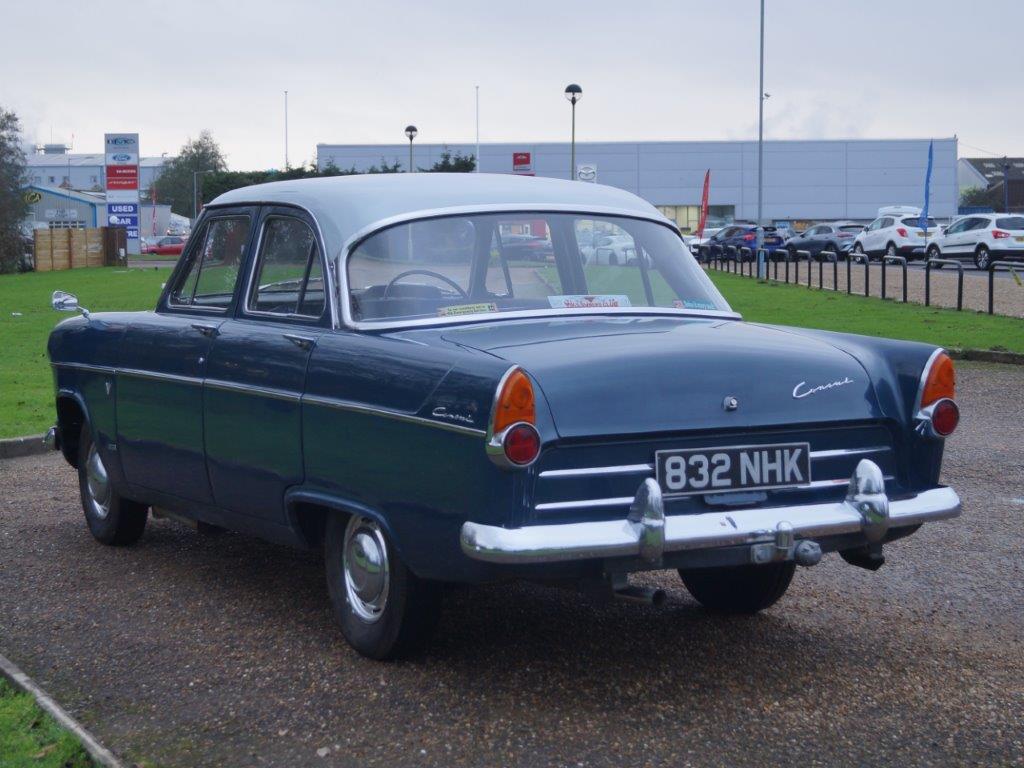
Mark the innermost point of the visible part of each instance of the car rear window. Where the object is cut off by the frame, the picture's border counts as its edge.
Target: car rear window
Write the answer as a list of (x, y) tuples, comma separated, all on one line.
[(1011, 222), (915, 221), (852, 228)]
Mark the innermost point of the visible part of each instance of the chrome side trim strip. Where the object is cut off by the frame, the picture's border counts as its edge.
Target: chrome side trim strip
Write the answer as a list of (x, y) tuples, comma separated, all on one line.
[(86, 367), (624, 537), (622, 469), (626, 500), (348, 405), (849, 452), (158, 376), (248, 389), (639, 469)]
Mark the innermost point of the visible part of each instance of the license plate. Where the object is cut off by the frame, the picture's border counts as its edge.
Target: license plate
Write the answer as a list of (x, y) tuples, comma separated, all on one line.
[(733, 468), (1019, 239), (921, 234)]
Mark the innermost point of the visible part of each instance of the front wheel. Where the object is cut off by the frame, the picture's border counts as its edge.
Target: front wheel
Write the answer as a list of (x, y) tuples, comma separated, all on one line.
[(890, 250), (384, 610), (111, 518), (983, 258), (739, 589), (858, 252)]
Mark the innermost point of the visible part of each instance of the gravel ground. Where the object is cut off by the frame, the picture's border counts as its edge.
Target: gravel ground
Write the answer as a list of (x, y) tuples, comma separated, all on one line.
[(191, 650), (1007, 294)]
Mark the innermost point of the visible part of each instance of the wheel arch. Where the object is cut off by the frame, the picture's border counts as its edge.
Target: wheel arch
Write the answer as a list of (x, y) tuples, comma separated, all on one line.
[(72, 418), (307, 512)]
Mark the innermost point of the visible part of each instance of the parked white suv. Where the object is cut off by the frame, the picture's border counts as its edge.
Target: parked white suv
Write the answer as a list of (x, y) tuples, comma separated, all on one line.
[(896, 232), (983, 238)]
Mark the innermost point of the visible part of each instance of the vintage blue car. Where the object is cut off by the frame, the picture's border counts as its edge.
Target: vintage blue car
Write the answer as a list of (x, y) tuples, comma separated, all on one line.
[(360, 365)]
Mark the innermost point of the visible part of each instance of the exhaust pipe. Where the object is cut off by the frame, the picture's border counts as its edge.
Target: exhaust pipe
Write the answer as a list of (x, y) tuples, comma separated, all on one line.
[(646, 595)]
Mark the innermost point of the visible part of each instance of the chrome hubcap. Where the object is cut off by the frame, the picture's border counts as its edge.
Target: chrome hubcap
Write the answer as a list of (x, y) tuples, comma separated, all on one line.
[(367, 577), (97, 483)]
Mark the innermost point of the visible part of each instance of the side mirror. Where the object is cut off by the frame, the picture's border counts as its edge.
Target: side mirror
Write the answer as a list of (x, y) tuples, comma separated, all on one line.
[(62, 301)]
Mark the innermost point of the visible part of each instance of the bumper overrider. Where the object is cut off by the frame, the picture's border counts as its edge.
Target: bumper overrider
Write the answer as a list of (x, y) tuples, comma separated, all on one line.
[(772, 533)]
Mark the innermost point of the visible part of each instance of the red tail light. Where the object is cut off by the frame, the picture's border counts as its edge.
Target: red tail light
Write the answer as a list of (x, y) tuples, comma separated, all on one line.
[(521, 444), (998, 234), (945, 417), (749, 236), (901, 232), (845, 234)]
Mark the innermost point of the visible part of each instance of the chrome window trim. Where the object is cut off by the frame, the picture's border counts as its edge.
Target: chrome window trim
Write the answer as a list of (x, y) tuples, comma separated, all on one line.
[(333, 295), (348, 405), (828, 454), (185, 308), (250, 280), (341, 260)]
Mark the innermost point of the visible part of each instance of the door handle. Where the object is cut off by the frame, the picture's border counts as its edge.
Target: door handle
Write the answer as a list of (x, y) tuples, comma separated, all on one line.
[(302, 342), (207, 329)]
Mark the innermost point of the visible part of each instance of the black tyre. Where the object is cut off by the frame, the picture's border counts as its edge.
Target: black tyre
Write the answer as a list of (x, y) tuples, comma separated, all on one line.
[(934, 253), (983, 258), (384, 610), (890, 250), (739, 589), (111, 518), (858, 252)]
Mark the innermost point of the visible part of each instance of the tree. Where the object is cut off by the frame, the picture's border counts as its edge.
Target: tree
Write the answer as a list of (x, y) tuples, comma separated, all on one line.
[(450, 163), (13, 206), (981, 198), (174, 185)]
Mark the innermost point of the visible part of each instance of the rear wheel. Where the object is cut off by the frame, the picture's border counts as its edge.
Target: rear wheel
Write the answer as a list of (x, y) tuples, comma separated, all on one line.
[(111, 518), (890, 250), (739, 589), (983, 258), (384, 610)]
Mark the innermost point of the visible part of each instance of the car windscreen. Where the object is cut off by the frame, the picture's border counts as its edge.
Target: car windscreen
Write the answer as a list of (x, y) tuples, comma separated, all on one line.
[(558, 263), (915, 221), (1010, 222)]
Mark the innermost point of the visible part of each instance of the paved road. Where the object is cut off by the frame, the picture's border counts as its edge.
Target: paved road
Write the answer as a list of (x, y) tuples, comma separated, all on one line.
[(190, 651)]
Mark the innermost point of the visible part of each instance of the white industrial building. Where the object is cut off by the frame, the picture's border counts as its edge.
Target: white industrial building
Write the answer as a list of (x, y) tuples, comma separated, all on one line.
[(54, 166), (803, 180)]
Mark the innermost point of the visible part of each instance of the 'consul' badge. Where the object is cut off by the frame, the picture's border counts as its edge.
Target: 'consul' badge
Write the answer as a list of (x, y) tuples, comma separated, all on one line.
[(801, 390), (730, 403)]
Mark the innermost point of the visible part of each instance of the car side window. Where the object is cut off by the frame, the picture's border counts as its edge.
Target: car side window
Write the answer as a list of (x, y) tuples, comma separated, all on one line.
[(288, 276), (957, 227), (979, 224), (209, 281)]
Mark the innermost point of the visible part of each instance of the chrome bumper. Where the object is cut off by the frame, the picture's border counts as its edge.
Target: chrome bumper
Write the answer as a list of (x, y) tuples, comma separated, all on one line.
[(648, 534)]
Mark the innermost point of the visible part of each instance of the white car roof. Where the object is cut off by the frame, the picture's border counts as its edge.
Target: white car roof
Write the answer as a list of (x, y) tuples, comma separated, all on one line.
[(345, 206)]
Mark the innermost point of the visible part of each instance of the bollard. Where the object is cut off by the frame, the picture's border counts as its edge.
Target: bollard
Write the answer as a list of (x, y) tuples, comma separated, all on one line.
[(939, 263), (849, 265), (1009, 265)]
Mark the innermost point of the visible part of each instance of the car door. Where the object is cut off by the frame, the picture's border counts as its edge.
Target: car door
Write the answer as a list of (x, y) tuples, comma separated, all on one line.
[(868, 233), (164, 358), (257, 369), (974, 233), (952, 242)]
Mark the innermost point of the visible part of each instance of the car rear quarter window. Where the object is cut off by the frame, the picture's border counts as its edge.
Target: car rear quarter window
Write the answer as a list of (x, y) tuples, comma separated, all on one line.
[(209, 281), (1010, 222)]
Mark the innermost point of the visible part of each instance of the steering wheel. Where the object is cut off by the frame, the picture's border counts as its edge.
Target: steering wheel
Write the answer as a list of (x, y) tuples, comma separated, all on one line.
[(442, 278)]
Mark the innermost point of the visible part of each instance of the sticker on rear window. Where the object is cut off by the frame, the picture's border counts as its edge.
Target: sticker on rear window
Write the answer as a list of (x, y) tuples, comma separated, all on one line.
[(693, 304), (466, 309), (587, 302)]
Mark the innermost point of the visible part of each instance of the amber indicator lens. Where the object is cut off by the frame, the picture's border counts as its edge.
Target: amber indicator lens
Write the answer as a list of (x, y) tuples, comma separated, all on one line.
[(941, 381)]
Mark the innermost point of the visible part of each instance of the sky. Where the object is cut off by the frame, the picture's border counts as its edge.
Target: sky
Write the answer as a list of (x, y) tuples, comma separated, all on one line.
[(359, 72)]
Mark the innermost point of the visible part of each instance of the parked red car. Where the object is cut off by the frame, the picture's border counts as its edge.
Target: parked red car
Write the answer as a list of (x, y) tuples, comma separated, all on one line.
[(165, 246)]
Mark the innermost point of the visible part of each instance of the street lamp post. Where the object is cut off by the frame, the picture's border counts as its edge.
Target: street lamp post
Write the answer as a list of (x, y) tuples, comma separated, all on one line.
[(573, 93), (195, 192), (1006, 184), (410, 131), (760, 152)]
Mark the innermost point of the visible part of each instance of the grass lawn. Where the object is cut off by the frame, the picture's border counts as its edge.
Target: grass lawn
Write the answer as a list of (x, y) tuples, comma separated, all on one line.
[(810, 308), (26, 385), (30, 737)]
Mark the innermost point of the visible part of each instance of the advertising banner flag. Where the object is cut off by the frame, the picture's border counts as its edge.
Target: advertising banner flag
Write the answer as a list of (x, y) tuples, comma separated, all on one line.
[(704, 204), (923, 221)]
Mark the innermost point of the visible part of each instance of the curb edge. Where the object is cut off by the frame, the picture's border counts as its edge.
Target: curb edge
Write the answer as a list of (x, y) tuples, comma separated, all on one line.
[(100, 754)]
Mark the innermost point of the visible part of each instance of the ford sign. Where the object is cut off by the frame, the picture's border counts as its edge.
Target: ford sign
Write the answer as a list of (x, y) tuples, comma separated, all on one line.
[(121, 158)]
